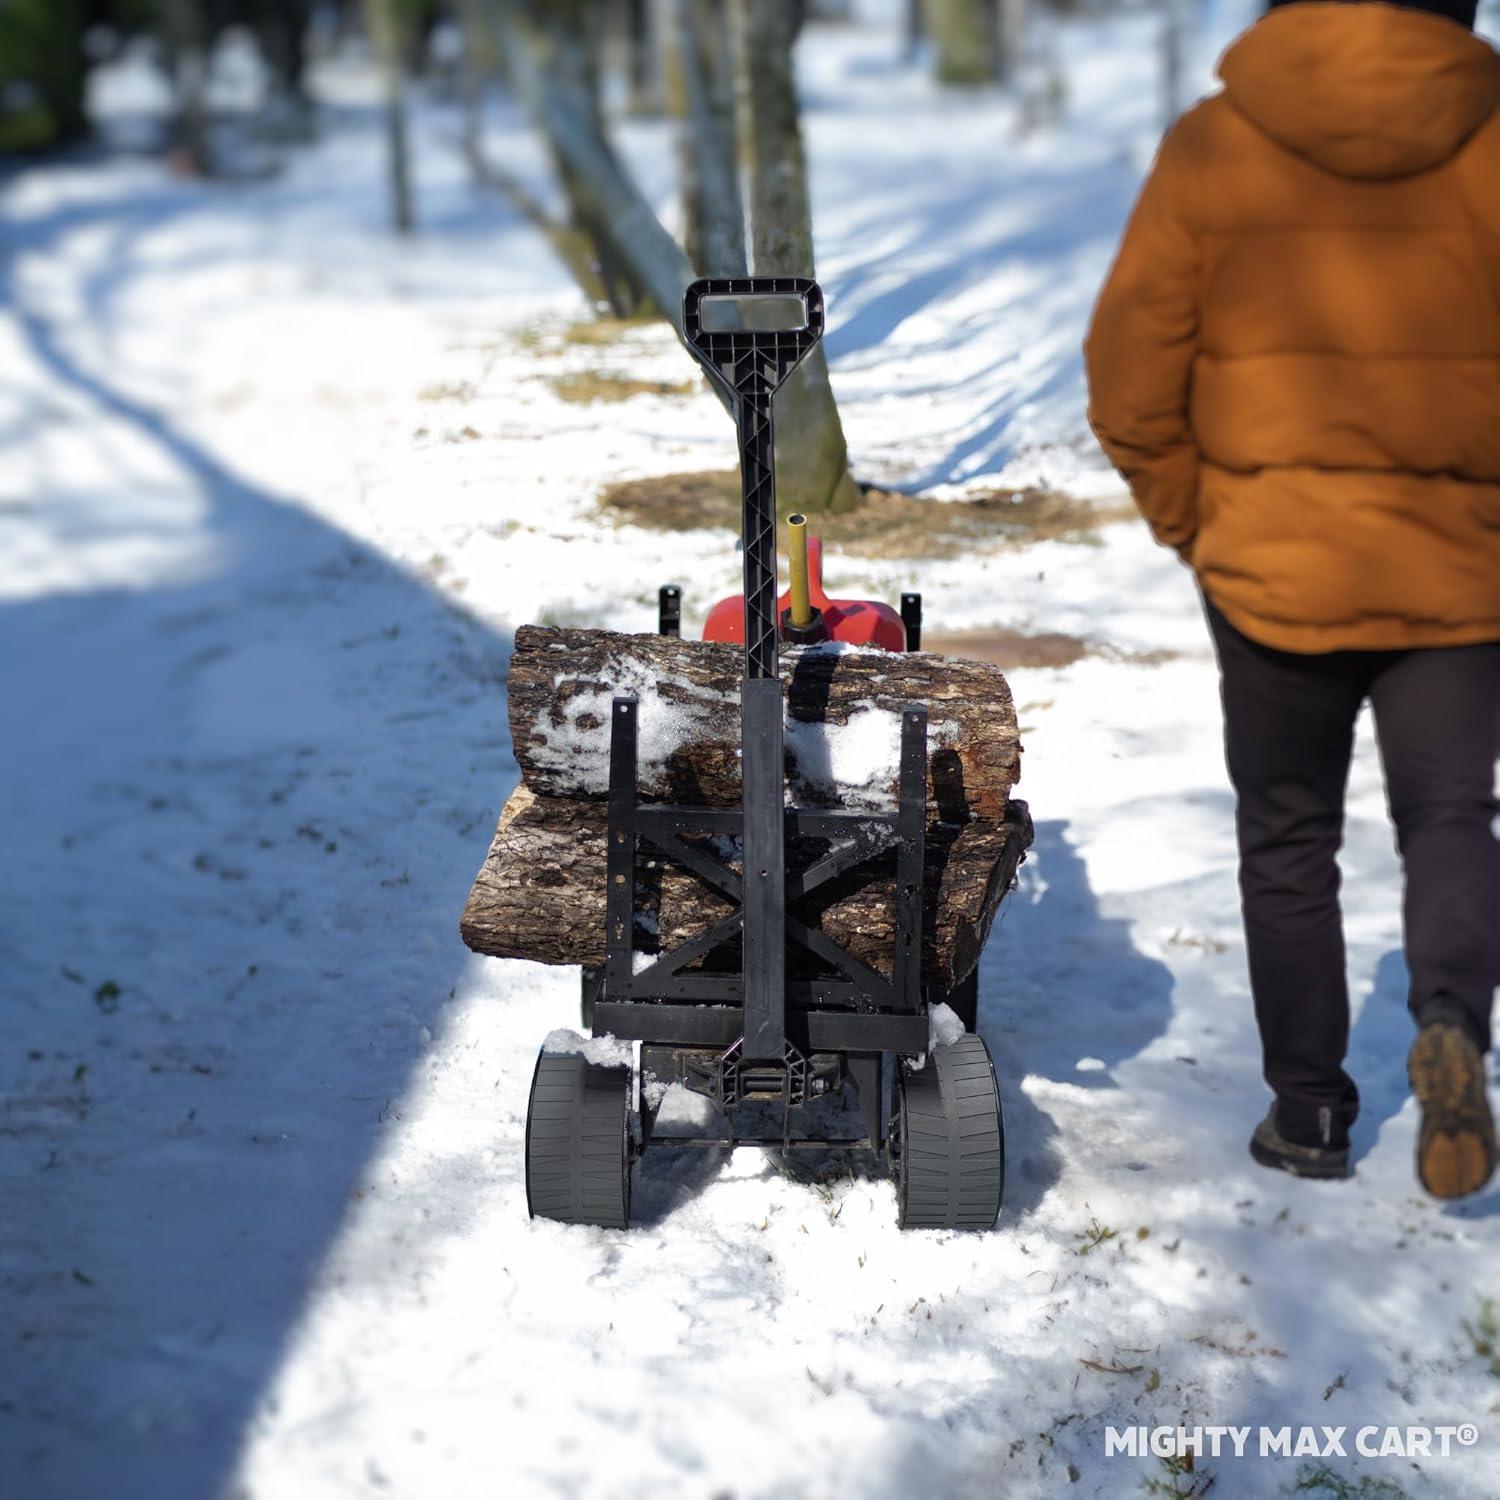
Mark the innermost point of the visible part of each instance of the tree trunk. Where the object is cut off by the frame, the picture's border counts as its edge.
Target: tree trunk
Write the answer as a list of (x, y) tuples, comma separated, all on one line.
[(484, 58), (540, 893), (43, 73), (812, 458), (1173, 27), (964, 31), (714, 218), (386, 32), (641, 71), (186, 31), (913, 28), (1010, 29), (843, 728), (552, 67), (281, 34)]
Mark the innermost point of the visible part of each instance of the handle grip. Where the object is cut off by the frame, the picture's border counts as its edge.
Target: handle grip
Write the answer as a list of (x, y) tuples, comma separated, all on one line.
[(751, 362)]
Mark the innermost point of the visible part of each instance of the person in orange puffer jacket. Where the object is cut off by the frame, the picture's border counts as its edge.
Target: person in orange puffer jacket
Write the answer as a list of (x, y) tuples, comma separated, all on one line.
[(1295, 364)]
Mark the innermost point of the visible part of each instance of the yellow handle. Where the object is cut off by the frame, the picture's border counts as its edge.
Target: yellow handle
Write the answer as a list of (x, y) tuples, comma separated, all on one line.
[(802, 614)]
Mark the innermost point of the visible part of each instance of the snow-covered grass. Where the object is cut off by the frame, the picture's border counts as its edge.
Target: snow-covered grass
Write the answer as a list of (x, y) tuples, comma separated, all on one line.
[(274, 493)]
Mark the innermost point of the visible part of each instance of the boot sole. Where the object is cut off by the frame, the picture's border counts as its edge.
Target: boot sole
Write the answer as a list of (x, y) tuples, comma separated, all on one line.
[(1334, 1171), (1456, 1144)]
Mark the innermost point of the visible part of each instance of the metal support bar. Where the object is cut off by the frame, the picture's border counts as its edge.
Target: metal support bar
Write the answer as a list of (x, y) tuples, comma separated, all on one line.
[(764, 776), (865, 1070), (619, 863), (671, 964), (870, 983), (749, 363), (711, 872), (911, 833), (719, 1026), (815, 823), (861, 846), (669, 610), (659, 822), (758, 527), (911, 618)]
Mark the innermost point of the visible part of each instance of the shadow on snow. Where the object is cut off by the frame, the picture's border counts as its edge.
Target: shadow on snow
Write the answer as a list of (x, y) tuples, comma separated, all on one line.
[(243, 805)]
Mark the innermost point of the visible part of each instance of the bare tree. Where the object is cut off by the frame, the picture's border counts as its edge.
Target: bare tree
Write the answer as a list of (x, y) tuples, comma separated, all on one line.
[(641, 71), (185, 32), (966, 35), (812, 456), (1010, 37), (387, 27), (1174, 24), (714, 216), (913, 26), (485, 58), (552, 66)]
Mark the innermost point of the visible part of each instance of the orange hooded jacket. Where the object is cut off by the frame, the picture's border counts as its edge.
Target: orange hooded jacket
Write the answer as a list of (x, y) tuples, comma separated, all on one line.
[(1295, 361)]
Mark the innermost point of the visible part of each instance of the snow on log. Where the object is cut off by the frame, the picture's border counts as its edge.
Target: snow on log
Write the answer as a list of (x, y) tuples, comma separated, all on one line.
[(540, 894), (843, 726)]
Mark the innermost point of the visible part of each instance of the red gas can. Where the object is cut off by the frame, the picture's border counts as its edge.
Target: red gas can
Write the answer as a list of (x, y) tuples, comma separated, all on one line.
[(864, 622)]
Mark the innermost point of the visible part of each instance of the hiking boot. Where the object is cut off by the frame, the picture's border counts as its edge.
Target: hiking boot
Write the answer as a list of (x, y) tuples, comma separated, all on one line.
[(1272, 1149), (1456, 1144)]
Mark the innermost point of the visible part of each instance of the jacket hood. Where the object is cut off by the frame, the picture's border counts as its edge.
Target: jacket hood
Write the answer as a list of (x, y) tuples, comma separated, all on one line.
[(1365, 90)]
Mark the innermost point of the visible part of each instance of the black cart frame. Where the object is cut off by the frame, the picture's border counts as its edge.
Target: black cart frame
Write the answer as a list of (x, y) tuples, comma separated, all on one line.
[(721, 1012)]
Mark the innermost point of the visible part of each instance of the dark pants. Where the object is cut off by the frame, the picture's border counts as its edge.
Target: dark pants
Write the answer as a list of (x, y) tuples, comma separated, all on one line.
[(1288, 733)]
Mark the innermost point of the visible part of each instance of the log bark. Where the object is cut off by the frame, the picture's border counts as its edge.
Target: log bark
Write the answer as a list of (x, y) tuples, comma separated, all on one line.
[(540, 893), (842, 731)]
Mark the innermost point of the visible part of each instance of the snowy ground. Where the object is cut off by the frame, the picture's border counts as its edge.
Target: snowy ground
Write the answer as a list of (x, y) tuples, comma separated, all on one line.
[(273, 495)]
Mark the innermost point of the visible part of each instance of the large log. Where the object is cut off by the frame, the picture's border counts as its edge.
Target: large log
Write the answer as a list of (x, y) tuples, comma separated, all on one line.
[(540, 894), (843, 729)]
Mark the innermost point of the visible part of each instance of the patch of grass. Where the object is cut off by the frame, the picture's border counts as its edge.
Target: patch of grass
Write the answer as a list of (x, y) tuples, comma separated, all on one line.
[(598, 385), (1093, 1236), (1484, 1334), (595, 332), (1181, 939), (1247, 1349), (1008, 649), (565, 616), (1319, 1479), (461, 390), (884, 524), (1183, 1481)]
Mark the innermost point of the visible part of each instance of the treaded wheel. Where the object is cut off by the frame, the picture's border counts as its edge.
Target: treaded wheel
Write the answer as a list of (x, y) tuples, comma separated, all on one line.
[(949, 1142), (578, 1142)]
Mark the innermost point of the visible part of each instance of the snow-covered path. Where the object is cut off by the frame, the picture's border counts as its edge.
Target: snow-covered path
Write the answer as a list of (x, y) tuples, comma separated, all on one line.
[(273, 495)]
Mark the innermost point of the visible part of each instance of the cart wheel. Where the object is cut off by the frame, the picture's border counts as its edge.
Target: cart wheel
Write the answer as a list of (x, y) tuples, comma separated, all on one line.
[(948, 1141), (578, 1142)]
